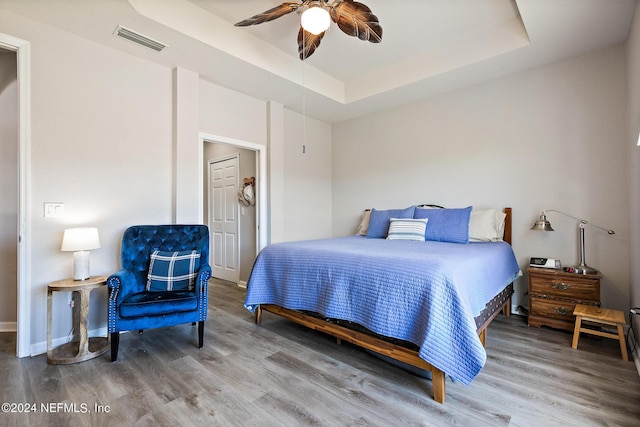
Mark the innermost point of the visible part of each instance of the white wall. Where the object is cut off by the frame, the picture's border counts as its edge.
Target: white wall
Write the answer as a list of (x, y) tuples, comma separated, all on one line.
[(104, 140), (300, 184), (553, 137), (233, 115), (8, 189), (633, 73), (101, 126), (307, 188)]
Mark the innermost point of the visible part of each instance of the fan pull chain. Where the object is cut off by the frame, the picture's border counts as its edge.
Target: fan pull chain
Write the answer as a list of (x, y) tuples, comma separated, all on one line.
[(304, 103)]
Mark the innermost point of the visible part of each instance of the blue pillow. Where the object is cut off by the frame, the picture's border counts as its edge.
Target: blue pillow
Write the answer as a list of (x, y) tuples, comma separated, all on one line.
[(173, 271), (446, 225), (379, 221)]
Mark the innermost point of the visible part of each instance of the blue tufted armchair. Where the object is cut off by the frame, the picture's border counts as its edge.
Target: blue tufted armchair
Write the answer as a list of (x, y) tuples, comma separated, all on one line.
[(163, 280)]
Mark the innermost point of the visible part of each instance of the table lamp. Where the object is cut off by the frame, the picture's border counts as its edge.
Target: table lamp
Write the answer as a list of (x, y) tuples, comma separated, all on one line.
[(542, 224), (80, 241)]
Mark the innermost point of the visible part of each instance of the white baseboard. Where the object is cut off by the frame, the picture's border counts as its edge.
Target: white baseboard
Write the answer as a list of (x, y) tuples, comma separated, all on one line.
[(41, 347), (8, 326), (242, 284)]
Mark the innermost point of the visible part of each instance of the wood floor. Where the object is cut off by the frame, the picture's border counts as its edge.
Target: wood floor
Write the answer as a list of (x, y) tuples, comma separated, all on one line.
[(280, 374)]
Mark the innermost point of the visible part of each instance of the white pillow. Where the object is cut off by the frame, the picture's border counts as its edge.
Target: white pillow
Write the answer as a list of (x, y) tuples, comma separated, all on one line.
[(486, 225), (407, 229), (364, 224)]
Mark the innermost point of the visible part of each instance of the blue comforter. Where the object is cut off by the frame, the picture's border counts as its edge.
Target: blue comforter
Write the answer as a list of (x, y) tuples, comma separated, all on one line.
[(427, 293)]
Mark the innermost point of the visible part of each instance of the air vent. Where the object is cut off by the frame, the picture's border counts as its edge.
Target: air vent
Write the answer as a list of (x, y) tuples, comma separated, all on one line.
[(145, 41)]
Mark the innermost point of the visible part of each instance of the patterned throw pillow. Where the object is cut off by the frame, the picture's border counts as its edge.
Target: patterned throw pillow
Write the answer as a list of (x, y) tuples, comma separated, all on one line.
[(407, 229), (173, 271)]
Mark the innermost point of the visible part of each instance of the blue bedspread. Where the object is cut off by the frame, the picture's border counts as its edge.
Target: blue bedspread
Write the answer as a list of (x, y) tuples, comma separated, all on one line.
[(427, 293)]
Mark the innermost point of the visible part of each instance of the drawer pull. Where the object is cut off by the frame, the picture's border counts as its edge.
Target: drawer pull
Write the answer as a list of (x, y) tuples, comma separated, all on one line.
[(561, 311), (561, 286)]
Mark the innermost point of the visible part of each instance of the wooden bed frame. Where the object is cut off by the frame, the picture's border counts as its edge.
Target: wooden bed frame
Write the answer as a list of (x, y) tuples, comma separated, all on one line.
[(383, 347)]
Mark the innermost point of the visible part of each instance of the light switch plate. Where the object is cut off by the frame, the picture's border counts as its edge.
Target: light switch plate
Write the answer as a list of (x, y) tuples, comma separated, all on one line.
[(53, 210)]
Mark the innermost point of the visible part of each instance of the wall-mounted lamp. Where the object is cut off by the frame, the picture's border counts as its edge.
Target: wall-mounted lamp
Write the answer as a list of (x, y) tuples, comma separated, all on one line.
[(80, 241), (315, 19), (542, 224)]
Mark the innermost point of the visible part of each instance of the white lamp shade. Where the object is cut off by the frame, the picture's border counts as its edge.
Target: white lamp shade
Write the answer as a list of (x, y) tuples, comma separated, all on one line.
[(80, 239), (315, 20)]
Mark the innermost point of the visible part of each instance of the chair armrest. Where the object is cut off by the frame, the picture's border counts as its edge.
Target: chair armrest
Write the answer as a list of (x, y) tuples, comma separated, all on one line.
[(202, 282), (202, 291), (121, 284)]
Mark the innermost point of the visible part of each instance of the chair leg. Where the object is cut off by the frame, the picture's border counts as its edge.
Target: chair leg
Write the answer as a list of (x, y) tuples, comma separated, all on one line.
[(200, 333), (115, 342)]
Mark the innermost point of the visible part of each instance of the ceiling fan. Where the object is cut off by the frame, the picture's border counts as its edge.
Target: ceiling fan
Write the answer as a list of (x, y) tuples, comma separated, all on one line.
[(353, 18)]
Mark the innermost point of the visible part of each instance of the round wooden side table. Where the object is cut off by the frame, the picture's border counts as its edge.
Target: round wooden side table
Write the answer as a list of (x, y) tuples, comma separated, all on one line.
[(81, 347)]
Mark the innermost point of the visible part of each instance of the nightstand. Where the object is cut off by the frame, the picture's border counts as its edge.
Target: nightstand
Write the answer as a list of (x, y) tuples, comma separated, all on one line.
[(81, 346), (553, 295)]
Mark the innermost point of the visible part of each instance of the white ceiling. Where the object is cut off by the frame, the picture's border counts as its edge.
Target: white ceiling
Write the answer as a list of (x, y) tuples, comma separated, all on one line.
[(428, 46)]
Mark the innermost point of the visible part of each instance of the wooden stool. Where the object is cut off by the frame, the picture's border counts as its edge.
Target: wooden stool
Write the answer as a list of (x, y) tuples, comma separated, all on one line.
[(603, 316)]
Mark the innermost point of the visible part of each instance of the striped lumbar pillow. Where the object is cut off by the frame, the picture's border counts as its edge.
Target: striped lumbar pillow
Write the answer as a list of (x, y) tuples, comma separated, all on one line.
[(407, 228)]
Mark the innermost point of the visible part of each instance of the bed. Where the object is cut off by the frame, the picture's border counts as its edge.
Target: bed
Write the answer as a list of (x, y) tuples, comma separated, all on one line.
[(423, 303)]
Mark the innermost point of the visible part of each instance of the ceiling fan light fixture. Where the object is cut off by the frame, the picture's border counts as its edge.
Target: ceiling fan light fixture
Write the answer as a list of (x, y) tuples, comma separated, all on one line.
[(315, 20), (353, 18)]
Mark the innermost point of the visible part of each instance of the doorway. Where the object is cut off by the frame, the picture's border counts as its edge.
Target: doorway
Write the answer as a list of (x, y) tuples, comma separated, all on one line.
[(252, 236), (8, 189), (21, 48)]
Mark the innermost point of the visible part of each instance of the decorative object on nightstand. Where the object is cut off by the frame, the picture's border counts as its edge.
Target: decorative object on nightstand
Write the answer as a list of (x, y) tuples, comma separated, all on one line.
[(80, 241), (600, 316), (553, 295), (81, 347), (542, 224)]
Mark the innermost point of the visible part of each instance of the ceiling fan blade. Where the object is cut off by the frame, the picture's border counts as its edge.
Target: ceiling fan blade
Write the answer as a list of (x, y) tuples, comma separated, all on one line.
[(308, 43), (357, 20), (269, 15)]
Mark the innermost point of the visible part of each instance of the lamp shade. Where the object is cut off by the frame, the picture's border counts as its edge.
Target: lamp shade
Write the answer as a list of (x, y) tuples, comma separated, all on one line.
[(315, 20), (80, 239), (542, 224)]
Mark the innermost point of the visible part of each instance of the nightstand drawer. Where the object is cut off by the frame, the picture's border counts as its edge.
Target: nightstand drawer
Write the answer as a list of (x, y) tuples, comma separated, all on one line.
[(553, 309), (578, 288)]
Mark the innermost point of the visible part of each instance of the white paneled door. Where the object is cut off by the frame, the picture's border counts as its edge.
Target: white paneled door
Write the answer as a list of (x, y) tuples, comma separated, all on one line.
[(223, 218)]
